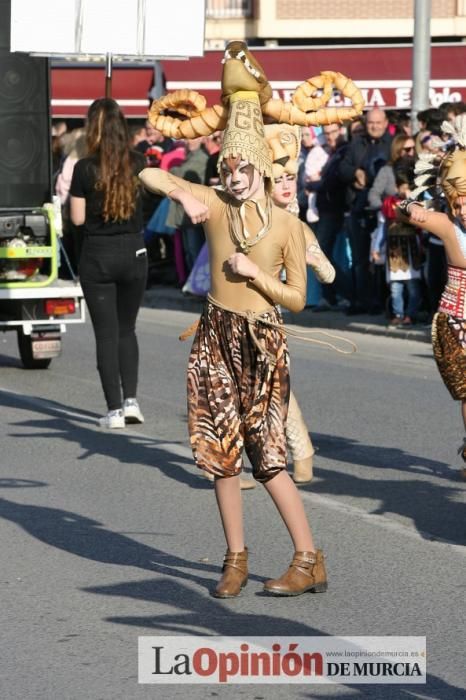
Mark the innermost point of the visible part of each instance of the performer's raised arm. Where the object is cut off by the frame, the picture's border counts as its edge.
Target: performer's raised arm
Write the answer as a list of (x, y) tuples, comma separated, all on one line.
[(165, 183), (434, 222)]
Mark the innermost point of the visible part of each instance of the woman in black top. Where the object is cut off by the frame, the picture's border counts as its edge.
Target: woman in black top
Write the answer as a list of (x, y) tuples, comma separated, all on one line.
[(106, 201)]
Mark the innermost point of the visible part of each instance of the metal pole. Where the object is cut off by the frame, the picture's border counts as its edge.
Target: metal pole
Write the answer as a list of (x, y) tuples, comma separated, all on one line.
[(78, 37), (108, 75), (421, 60), (141, 30), (158, 88)]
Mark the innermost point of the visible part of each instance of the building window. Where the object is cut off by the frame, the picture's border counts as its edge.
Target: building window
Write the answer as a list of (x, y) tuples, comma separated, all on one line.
[(228, 9)]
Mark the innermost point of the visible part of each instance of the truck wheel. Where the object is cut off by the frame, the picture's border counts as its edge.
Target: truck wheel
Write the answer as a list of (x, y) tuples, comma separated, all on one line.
[(25, 353)]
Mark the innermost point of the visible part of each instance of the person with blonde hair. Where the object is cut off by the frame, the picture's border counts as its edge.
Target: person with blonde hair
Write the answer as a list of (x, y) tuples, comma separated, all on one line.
[(284, 144)]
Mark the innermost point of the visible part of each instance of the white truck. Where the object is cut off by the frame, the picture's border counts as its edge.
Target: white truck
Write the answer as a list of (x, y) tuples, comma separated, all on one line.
[(34, 302)]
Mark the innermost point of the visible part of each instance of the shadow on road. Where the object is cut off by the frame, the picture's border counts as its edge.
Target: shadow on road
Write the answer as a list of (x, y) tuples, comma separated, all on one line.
[(87, 538), (207, 616), (430, 505), (199, 614)]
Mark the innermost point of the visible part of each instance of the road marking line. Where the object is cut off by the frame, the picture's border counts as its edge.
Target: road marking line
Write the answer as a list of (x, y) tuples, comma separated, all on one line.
[(382, 521)]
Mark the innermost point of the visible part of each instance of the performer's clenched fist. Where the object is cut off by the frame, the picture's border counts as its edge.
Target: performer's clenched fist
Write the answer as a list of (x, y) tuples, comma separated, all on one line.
[(242, 265)]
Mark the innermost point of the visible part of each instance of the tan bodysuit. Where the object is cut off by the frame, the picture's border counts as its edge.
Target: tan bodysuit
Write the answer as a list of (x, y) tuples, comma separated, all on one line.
[(323, 269), (235, 399), (283, 246)]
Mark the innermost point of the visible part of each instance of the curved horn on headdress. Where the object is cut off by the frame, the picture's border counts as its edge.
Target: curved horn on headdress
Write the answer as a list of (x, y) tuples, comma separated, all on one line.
[(327, 81), (242, 72), (299, 111), (198, 121)]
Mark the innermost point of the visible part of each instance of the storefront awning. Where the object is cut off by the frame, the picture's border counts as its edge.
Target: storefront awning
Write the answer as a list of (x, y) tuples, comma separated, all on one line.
[(382, 72)]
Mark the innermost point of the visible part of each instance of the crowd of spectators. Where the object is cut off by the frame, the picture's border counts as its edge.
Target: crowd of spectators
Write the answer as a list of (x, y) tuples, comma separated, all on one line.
[(349, 180)]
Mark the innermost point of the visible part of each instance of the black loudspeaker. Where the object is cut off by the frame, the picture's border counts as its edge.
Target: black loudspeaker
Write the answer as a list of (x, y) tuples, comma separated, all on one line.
[(25, 150), (5, 13)]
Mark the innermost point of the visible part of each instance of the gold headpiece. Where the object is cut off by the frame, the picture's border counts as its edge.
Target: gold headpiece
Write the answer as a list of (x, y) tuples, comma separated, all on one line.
[(284, 143), (189, 115), (244, 89), (244, 133)]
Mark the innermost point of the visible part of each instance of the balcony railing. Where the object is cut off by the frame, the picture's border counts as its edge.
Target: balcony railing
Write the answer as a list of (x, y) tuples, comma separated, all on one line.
[(228, 9)]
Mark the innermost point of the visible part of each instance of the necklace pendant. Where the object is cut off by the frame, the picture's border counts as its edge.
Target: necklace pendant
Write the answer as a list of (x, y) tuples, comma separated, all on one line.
[(244, 247)]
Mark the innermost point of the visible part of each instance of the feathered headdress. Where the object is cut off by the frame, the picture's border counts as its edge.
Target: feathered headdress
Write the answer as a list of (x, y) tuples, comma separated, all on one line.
[(447, 171)]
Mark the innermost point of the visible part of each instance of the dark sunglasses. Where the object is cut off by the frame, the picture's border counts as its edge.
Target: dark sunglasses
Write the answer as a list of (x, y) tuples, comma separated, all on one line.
[(407, 149)]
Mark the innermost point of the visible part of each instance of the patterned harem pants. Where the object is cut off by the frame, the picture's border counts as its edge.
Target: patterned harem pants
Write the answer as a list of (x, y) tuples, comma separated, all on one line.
[(238, 395)]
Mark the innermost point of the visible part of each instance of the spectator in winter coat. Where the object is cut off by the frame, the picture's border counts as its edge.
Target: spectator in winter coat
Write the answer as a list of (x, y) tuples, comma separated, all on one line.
[(363, 159), (403, 147)]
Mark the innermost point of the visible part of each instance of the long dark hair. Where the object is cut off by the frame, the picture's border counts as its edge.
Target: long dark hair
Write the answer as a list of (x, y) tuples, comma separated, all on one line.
[(107, 139)]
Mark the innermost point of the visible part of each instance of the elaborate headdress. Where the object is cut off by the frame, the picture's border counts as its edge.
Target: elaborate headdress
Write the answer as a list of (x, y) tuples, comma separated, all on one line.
[(449, 170), (244, 133), (246, 97), (284, 142), (190, 117), (244, 89), (453, 166)]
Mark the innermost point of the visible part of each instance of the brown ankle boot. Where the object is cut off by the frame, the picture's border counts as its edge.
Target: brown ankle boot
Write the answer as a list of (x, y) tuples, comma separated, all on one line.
[(306, 573), (235, 574)]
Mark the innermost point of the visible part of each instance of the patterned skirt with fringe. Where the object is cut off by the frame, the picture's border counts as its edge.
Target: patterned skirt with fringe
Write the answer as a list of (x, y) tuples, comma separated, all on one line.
[(449, 344)]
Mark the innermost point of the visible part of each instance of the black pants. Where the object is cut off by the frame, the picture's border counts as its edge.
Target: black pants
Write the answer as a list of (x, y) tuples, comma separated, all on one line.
[(113, 280), (360, 229)]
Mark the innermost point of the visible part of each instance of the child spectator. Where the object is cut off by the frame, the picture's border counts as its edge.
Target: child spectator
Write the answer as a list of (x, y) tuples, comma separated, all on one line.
[(400, 242)]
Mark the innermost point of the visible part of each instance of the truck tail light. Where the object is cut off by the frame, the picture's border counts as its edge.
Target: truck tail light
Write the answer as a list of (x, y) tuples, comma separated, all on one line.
[(59, 307)]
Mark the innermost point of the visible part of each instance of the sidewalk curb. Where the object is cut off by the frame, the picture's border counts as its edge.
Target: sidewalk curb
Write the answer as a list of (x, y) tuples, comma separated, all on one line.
[(158, 297), (373, 325)]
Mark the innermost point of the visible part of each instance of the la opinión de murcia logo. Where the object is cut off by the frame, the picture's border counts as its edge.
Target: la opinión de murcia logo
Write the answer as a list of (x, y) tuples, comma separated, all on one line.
[(287, 660), (206, 661)]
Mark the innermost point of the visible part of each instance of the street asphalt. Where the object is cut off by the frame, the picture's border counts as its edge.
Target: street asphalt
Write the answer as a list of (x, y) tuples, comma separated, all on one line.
[(107, 536)]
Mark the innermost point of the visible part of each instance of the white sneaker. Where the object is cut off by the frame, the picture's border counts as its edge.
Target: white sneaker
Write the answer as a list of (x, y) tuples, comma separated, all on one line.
[(113, 419), (132, 412)]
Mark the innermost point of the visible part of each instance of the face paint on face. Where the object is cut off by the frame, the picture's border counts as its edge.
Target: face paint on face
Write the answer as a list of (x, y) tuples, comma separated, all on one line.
[(284, 189), (459, 209), (241, 179)]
